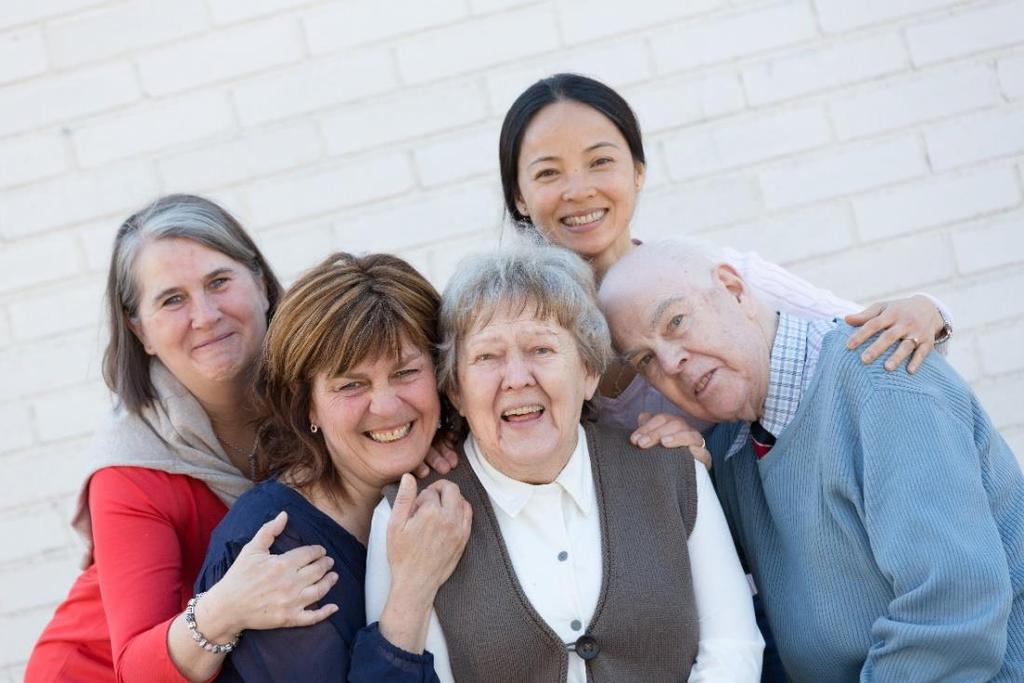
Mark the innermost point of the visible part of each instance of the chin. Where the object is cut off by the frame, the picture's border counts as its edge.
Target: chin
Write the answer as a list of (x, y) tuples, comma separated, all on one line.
[(227, 372)]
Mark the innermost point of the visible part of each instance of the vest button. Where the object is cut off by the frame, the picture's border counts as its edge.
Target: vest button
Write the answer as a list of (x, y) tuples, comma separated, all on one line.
[(587, 647)]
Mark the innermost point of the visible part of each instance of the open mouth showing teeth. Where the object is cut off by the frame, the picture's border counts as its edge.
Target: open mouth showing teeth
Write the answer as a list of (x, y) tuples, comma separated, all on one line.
[(391, 434), (702, 382), (521, 414), (591, 217)]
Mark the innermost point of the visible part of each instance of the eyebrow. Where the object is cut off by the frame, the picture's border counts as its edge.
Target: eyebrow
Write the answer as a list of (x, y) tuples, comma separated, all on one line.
[(209, 276), (528, 333), (660, 309), (404, 360), (596, 145), (628, 355)]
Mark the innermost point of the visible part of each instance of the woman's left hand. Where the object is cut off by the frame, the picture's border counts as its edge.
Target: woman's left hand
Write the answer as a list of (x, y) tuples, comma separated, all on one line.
[(670, 431), (910, 324), (426, 536)]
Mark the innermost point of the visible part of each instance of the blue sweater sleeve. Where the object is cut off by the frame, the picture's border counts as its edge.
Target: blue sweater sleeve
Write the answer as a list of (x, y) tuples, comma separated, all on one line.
[(935, 540)]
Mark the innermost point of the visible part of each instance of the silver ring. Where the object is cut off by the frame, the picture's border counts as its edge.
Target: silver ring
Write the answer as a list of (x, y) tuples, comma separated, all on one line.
[(703, 443), (912, 339)]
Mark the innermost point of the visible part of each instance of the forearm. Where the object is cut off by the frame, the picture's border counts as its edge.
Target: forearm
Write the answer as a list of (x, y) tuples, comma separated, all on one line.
[(406, 616), (194, 663), (215, 623), (786, 291)]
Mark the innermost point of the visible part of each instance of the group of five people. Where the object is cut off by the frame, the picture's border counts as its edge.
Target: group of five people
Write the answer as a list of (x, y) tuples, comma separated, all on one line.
[(234, 506)]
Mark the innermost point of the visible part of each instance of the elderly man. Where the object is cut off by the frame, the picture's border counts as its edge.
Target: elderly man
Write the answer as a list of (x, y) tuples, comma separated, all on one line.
[(881, 514)]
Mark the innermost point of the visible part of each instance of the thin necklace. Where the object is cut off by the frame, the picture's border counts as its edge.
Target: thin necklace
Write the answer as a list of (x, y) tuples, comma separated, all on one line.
[(249, 455)]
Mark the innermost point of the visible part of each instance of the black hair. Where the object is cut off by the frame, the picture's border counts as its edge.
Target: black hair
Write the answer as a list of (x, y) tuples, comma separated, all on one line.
[(558, 88)]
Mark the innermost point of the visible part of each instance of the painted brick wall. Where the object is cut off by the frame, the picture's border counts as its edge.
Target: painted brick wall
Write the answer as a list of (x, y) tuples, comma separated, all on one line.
[(874, 146)]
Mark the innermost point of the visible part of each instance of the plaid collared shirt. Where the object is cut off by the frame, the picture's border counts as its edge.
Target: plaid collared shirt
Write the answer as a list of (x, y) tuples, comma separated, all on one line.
[(794, 357)]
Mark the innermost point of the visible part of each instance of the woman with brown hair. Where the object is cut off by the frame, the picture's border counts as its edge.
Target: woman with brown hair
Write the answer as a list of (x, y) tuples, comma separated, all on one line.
[(349, 404)]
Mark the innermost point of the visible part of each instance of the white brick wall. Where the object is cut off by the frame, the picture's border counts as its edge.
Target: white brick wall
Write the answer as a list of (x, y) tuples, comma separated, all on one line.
[(875, 147), (22, 54), (221, 55), (1011, 76), (905, 101), (967, 32)]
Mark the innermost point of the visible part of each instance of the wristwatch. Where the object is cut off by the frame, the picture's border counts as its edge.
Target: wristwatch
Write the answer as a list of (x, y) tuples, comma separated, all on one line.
[(946, 332)]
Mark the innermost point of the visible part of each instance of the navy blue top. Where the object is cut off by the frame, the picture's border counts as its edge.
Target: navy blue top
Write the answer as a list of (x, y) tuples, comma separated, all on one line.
[(339, 648)]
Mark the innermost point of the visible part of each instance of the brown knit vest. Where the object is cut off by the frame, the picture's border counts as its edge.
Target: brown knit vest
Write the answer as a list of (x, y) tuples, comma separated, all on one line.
[(645, 625)]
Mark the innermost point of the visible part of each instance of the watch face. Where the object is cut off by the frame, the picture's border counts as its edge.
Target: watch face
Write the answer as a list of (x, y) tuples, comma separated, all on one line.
[(947, 328)]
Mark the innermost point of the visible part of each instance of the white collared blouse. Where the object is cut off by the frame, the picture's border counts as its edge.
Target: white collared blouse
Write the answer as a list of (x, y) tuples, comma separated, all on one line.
[(553, 536)]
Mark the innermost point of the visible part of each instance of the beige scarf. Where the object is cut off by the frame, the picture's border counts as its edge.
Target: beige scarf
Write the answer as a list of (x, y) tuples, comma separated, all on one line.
[(173, 434)]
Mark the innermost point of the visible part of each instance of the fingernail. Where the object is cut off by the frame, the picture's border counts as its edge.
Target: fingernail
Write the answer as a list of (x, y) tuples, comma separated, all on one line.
[(643, 441), (330, 561), (864, 358)]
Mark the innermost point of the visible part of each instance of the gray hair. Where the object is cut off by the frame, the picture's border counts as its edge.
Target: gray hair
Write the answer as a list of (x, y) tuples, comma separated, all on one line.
[(125, 361), (555, 282)]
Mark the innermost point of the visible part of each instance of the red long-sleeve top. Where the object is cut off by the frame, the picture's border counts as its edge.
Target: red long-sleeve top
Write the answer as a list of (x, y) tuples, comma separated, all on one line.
[(150, 530)]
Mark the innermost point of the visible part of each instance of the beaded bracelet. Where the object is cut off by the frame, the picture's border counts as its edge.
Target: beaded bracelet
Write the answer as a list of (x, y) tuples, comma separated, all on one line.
[(199, 638)]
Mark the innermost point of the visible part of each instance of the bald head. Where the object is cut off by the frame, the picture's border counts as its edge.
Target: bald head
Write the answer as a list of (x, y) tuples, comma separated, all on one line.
[(687, 264), (688, 322)]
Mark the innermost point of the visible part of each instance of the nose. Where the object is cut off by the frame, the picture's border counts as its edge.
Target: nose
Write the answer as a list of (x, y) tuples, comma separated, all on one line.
[(517, 373), (384, 402), (671, 358), (205, 312), (577, 186)]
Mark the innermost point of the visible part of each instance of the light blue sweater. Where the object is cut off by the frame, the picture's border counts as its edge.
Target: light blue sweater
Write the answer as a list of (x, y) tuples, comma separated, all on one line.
[(885, 529)]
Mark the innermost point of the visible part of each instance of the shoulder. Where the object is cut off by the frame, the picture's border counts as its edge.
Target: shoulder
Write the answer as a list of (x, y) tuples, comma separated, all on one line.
[(252, 510), (841, 370), (141, 486), (611, 448), (121, 476)]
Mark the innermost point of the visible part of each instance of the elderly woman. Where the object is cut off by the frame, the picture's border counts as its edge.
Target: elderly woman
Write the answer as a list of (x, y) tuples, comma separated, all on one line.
[(189, 295), (349, 403), (588, 559)]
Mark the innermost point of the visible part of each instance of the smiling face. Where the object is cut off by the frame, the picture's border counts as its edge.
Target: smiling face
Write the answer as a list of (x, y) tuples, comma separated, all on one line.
[(521, 386), (578, 181), (702, 346), (200, 312), (378, 418)]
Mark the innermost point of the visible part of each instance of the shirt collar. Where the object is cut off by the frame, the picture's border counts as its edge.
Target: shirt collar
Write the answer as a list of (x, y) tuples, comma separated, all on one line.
[(786, 373), (794, 359), (511, 495)]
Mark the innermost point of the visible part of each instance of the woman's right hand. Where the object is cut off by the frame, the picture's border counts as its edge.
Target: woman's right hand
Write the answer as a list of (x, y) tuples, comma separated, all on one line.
[(263, 591), (670, 431), (426, 536)]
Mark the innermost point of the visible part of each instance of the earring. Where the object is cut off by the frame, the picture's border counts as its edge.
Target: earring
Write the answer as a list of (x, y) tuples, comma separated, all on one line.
[(313, 428)]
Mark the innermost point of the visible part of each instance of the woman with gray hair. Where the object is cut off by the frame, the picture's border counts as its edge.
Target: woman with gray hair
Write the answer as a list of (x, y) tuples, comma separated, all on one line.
[(189, 295), (588, 559)]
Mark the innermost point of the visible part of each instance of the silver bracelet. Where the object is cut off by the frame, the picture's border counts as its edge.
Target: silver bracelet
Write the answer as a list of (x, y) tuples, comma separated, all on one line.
[(199, 638)]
